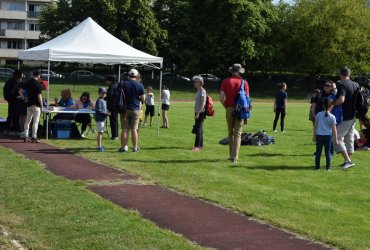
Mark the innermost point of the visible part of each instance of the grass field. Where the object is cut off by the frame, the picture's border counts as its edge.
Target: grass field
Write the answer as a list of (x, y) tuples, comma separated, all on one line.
[(275, 183)]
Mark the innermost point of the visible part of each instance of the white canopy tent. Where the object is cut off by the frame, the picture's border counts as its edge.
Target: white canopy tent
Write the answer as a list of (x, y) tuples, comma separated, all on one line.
[(90, 43)]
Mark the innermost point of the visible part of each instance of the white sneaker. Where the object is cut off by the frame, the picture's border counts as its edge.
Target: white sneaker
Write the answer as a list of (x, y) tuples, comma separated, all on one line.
[(275, 131), (348, 165), (126, 148), (82, 135)]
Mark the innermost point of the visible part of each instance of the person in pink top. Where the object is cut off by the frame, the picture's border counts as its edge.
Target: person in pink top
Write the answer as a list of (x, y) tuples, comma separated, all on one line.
[(229, 89), (85, 119)]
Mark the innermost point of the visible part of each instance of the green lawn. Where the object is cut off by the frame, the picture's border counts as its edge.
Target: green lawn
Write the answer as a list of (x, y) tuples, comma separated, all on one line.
[(276, 183)]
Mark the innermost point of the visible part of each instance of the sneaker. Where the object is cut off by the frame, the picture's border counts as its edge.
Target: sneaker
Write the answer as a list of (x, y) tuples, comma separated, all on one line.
[(144, 124), (328, 169), (195, 149), (283, 131), (92, 130), (348, 165), (114, 138), (35, 140), (124, 149), (275, 131), (100, 149), (82, 135), (234, 161), (135, 150), (26, 139)]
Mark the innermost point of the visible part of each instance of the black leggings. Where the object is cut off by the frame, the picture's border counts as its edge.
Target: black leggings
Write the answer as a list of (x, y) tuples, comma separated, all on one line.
[(199, 130), (84, 119), (277, 114)]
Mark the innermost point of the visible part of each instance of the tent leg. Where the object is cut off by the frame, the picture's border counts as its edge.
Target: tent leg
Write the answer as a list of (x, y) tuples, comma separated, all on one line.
[(47, 105), (159, 100)]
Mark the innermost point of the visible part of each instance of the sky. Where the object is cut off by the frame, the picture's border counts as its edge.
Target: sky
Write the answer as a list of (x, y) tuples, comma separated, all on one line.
[(287, 1)]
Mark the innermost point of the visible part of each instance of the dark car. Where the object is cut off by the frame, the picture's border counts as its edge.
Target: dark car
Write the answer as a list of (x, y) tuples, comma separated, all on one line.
[(210, 78), (6, 72), (174, 77), (84, 74)]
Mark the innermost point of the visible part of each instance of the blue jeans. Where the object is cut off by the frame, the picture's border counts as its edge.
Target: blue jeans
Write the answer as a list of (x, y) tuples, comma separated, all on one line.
[(323, 141)]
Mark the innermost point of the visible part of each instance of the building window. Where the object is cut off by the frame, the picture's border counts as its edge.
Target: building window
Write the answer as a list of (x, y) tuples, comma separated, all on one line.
[(16, 6), (34, 26), (14, 44), (31, 44), (15, 26), (34, 8)]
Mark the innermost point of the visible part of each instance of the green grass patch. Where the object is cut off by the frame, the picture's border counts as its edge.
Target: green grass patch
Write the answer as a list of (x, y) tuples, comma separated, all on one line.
[(276, 183), (44, 211)]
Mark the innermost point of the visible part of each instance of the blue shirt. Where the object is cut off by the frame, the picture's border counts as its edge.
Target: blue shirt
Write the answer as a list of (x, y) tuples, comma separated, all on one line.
[(281, 96), (324, 124), (337, 110), (133, 90), (100, 110), (67, 103)]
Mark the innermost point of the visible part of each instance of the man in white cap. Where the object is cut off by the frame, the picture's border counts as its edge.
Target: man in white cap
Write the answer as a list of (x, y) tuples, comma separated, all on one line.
[(134, 94), (229, 89)]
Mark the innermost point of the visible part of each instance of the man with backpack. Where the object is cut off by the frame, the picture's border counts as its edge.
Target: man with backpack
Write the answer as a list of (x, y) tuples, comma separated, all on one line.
[(230, 88), (113, 118), (134, 94), (346, 97)]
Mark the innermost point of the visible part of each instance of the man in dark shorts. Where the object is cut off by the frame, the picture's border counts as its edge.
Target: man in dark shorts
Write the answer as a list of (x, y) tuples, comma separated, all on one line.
[(134, 94), (346, 94)]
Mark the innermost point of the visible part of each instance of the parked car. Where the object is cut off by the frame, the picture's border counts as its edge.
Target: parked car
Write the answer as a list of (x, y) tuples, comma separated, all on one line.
[(6, 72), (174, 77), (83, 74), (210, 78), (44, 74)]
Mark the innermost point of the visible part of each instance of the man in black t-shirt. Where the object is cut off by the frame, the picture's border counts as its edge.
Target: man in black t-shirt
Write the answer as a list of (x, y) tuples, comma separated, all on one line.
[(34, 104), (346, 95)]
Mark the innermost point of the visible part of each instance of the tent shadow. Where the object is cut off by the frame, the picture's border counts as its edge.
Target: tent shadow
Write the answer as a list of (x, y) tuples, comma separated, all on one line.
[(275, 155), (178, 161)]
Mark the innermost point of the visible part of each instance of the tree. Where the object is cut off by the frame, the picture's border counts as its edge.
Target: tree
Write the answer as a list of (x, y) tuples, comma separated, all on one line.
[(325, 35), (131, 21)]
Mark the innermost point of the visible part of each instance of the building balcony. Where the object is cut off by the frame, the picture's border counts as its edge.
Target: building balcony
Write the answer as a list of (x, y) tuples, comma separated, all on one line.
[(12, 14), (21, 34), (33, 14)]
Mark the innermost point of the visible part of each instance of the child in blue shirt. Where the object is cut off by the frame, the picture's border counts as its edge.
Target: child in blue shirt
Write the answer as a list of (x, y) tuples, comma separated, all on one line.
[(101, 113), (324, 129)]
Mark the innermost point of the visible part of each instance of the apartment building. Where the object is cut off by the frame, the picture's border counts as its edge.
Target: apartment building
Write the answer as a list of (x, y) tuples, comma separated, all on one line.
[(19, 27)]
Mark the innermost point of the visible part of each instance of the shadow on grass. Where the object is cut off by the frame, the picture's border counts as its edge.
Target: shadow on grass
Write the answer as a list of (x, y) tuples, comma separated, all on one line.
[(51, 151), (173, 161), (274, 168), (276, 154)]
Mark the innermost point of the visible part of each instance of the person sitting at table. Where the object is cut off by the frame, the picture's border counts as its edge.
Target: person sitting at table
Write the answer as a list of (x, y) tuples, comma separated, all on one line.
[(65, 101), (85, 119)]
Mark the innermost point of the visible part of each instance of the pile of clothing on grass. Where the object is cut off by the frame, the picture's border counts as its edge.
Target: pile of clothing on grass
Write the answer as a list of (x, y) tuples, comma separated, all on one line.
[(258, 139)]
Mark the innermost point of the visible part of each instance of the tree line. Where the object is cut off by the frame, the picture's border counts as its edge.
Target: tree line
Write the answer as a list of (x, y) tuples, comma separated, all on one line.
[(311, 37)]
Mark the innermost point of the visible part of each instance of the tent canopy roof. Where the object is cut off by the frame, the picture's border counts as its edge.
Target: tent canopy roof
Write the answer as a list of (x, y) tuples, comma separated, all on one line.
[(88, 43)]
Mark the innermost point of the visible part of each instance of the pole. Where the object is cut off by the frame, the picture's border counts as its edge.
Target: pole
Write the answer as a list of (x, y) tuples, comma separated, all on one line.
[(47, 104), (119, 73), (159, 99)]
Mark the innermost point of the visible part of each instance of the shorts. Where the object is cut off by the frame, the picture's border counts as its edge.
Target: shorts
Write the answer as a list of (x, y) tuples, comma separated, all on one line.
[(165, 107), (130, 119), (100, 127), (149, 110)]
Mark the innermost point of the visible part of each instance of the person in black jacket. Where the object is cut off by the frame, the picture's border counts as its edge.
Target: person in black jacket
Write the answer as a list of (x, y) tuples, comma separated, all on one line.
[(113, 118), (12, 120)]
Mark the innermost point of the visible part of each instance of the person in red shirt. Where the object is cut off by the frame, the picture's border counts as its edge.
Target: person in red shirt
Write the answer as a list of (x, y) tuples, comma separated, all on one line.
[(229, 89)]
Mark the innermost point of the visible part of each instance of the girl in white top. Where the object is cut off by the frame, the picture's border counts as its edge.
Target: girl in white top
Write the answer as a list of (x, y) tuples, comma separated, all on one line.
[(165, 106), (149, 103)]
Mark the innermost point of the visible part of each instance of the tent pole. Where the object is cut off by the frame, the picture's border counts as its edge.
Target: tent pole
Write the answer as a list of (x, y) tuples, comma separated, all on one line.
[(119, 73), (159, 99), (47, 104)]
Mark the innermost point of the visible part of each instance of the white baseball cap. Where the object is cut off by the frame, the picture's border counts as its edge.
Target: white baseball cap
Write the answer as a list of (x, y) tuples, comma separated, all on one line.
[(133, 72)]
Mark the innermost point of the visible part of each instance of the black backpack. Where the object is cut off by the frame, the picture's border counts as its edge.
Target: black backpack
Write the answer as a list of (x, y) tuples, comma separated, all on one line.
[(119, 99), (361, 104)]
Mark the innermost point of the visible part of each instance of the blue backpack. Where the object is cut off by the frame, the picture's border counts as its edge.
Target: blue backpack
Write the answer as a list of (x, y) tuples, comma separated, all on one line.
[(243, 104)]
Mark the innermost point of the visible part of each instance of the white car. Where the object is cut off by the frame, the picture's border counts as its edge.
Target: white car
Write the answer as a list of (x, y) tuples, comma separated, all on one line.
[(44, 74)]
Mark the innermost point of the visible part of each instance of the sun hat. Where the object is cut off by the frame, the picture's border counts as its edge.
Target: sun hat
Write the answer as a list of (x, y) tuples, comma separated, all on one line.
[(236, 68)]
